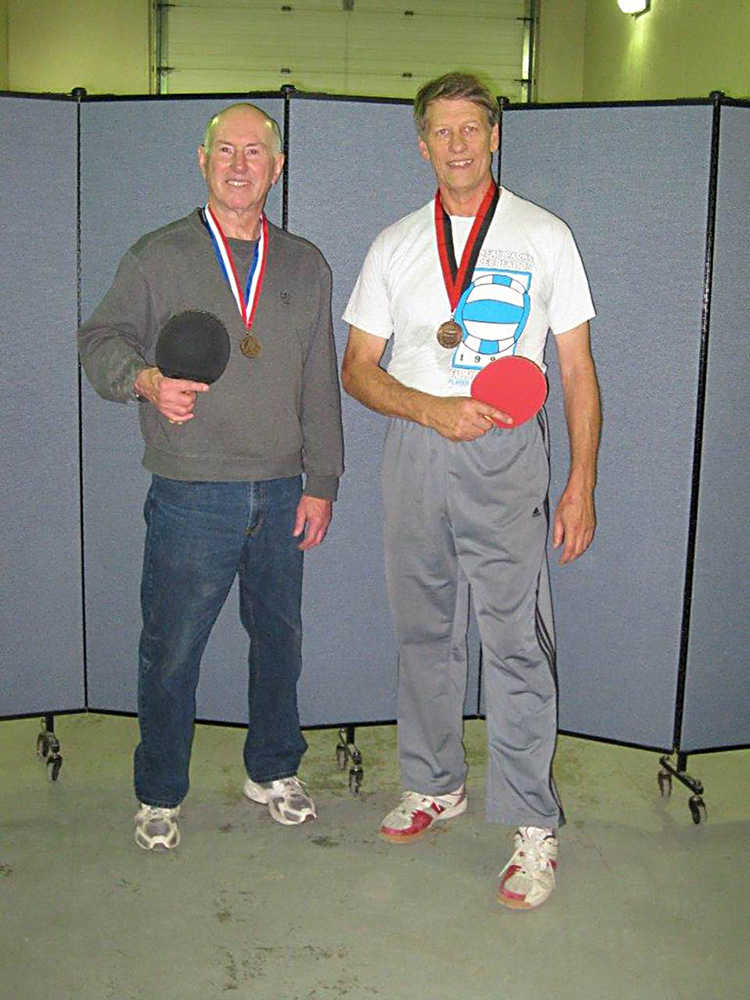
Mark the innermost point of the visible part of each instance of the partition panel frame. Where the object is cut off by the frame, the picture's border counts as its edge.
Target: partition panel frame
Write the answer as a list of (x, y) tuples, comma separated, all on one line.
[(633, 645), (41, 605), (714, 705)]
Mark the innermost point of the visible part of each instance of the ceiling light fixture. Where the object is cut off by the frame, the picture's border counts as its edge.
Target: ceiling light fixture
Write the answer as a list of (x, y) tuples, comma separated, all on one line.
[(634, 7)]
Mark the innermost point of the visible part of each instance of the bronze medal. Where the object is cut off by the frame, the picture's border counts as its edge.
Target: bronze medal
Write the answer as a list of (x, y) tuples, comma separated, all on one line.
[(457, 278), (247, 302), (449, 334), (250, 346)]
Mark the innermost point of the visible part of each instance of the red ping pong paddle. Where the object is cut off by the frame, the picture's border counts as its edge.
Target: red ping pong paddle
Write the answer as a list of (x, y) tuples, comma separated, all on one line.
[(514, 385)]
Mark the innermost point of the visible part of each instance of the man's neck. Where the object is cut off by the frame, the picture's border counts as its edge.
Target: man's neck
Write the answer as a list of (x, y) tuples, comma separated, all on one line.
[(238, 225), (463, 202)]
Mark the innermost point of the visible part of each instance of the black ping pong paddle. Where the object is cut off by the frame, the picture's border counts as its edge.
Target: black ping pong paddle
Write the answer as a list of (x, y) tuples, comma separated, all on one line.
[(193, 345)]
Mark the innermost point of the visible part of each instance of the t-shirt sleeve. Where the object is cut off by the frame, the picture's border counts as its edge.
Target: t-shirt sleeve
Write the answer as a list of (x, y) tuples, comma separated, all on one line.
[(570, 302), (369, 306)]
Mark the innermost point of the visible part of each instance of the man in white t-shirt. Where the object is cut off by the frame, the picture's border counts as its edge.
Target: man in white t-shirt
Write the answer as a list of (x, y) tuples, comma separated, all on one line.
[(476, 274)]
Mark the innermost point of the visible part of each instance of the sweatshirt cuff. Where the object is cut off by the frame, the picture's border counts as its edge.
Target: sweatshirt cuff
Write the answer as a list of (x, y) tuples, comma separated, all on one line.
[(126, 382), (323, 487)]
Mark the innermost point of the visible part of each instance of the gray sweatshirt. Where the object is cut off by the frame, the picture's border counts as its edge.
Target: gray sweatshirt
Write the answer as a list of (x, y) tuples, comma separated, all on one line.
[(274, 416)]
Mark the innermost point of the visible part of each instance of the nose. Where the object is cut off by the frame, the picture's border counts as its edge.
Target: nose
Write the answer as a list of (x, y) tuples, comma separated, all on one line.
[(239, 160), (457, 142)]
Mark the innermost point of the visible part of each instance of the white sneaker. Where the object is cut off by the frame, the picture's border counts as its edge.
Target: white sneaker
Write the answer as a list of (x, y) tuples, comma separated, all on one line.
[(286, 798), (157, 827), (416, 813), (529, 877)]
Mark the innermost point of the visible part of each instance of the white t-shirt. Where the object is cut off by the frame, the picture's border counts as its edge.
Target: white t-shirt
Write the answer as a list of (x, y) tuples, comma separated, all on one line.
[(528, 279)]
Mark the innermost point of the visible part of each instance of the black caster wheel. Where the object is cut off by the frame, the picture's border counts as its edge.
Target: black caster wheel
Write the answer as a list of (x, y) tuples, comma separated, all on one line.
[(341, 756), (42, 746), (355, 780), (53, 768), (697, 809), (665, 784)]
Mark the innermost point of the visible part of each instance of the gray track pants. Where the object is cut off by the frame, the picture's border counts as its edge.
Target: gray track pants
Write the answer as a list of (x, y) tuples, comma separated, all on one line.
[(473, 515)]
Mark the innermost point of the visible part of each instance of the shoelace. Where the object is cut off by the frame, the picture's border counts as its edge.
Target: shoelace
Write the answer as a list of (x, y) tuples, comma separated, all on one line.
[(159, 812), (416, 801), (292, 788), (532, 853)]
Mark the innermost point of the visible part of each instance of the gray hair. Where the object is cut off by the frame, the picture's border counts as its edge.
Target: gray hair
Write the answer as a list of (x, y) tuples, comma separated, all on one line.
[(214, 121)]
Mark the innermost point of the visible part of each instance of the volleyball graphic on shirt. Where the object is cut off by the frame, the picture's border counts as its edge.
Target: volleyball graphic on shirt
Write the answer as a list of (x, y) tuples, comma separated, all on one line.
[(492, 313)]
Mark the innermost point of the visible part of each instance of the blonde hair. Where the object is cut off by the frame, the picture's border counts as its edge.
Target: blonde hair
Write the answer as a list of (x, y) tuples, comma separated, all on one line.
[(452, 86)]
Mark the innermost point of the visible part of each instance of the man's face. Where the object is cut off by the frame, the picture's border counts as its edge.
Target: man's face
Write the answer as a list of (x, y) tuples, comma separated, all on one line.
[(240, 165), (459, 144)]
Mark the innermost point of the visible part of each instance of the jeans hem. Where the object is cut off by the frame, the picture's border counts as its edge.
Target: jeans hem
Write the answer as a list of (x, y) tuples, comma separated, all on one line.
[(159, 805)]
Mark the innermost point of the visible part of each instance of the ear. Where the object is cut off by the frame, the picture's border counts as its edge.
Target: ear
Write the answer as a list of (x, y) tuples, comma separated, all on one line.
[(494, 138), (202, 159), (278, 166), (424, 151)]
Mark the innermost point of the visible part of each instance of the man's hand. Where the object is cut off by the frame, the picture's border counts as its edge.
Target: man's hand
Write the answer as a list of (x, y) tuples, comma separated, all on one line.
[(312, 520), (458, 418), (575, 518), (174, 398), (461, 418), (574, 523)]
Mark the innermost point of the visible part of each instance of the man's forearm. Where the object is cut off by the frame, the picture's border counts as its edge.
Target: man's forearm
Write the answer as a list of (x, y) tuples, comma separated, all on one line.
[(379, 391), (584, 420)]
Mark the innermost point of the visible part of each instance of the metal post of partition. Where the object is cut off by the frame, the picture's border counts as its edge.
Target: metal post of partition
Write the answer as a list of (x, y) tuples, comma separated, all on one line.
[(287, 92), (347, 751), (79, 93), (679, 769), (503, 103), (47, 742), (48, 747)]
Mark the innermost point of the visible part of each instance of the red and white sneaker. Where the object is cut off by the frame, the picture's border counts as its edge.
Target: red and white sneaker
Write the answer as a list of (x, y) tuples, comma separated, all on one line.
[(529, 877), (416, 813)]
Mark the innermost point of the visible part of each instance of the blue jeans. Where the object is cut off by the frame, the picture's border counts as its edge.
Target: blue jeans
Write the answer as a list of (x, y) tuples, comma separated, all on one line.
[(199, 536)]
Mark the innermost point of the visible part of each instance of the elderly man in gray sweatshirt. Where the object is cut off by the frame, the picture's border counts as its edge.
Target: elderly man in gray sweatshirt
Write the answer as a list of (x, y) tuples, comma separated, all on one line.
[(245, 471)]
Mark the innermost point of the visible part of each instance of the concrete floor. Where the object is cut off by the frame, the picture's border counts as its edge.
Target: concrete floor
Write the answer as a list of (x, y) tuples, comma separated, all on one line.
[(649, 906)]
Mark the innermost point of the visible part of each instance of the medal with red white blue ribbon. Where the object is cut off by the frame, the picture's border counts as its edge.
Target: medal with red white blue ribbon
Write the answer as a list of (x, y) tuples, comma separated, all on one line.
[(247, 300)]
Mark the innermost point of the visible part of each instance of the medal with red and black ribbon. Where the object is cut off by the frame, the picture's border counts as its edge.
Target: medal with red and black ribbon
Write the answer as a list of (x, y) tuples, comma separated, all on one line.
[(457, 277)]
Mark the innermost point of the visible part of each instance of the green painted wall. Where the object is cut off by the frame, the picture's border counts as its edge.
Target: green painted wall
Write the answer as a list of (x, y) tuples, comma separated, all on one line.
[(4, 45), (55, 45), (679, 48), (560, 50), (588, 50)]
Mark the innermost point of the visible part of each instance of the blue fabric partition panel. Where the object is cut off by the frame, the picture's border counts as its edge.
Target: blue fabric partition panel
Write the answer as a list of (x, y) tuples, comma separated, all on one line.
[(354, 168), (638, 208), (139, 171), (717, 687), (632, 183), (41, 660)]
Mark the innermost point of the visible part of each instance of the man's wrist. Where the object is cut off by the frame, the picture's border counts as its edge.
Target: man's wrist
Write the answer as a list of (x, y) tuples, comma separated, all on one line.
[(144, 384), (582, 480)]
